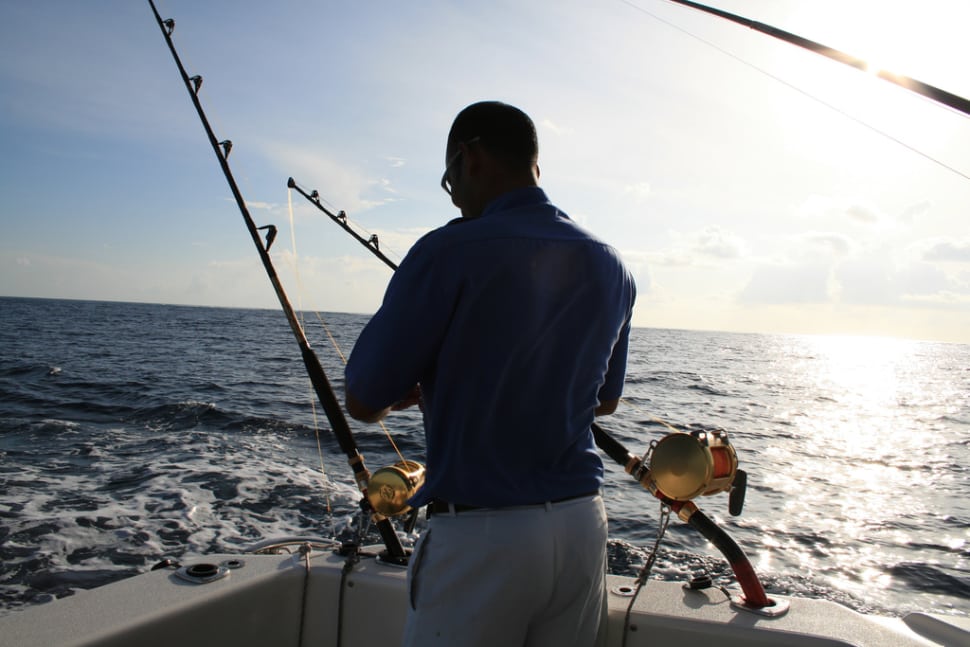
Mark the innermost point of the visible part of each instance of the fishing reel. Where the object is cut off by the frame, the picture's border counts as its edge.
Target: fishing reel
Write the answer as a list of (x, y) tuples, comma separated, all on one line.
[(684, 465), (389, 488)]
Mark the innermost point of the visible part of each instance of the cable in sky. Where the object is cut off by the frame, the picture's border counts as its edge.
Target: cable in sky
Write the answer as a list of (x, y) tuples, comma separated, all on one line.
[(927, 92)]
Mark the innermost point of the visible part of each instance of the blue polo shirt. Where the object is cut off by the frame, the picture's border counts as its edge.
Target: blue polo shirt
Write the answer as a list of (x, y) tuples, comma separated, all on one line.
[(516, 326)]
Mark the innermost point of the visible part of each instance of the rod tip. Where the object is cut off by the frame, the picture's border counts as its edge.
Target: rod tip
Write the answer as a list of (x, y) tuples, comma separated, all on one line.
[(290, 184)]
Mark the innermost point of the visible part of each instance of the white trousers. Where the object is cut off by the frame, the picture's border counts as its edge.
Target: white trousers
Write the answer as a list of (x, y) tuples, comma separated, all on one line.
[(529, 576)]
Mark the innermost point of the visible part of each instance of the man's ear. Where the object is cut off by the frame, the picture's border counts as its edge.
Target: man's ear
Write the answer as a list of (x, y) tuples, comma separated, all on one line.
[(471, 160)]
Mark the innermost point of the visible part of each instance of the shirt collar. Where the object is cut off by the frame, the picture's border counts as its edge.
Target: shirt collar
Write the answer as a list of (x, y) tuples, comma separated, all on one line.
[(525, 197)]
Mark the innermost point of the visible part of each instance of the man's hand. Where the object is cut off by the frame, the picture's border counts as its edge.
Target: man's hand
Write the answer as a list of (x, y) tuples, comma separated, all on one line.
[(359, 411), (606, 408), (411, 399)]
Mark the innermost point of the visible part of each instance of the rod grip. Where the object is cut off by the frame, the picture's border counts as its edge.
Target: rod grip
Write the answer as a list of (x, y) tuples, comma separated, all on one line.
[(610, 446)]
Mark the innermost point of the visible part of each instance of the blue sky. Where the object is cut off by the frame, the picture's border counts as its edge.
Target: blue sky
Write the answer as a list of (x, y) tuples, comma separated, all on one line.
[(692, 145)]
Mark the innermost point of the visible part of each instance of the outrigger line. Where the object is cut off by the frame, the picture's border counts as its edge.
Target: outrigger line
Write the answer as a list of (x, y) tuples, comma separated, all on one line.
[(338, 423), (705, 459), (934, 93)]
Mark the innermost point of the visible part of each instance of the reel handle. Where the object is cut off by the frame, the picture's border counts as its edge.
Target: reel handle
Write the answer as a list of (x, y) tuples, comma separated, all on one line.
[(738, 489)]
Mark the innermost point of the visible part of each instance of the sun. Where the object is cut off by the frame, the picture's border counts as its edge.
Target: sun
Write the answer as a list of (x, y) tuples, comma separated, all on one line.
[(886, 49)]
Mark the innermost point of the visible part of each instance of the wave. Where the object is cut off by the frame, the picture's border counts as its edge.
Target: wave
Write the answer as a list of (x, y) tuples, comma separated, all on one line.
[(930, 579)]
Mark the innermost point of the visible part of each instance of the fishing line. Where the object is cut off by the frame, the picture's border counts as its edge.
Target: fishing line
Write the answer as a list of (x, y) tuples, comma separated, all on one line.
[(313, 408), (808, 94), (326, 329), (649, 416), (295, 267), (333, 341), (340, 353), (294, 264), (336, 346)]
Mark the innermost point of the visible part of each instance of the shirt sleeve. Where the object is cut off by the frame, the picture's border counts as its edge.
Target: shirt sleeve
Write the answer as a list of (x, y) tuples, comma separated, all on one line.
[(616, 369), (399, 343)]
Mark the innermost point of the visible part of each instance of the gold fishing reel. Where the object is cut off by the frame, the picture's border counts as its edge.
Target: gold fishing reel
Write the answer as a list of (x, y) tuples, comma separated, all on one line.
[(685, 465), (390, 487)]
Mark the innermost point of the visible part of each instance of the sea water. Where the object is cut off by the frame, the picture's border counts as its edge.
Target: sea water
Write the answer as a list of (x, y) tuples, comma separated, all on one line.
[(131, 432)]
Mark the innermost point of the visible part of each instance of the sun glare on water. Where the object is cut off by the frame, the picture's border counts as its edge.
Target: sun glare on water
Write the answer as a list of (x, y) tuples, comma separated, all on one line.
[(856, 431), (866, 454)]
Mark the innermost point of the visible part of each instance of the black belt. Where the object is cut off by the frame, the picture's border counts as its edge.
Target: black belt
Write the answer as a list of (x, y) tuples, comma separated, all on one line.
[(444, 507)]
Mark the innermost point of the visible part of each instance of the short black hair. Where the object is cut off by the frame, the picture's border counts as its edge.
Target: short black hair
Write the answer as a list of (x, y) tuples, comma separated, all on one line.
[(503, 130)]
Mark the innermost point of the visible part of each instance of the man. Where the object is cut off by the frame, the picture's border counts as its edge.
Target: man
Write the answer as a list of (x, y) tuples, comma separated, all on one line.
[(511, 324)]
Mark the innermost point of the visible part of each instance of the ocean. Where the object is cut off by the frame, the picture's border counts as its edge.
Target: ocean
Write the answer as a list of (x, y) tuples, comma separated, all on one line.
[(131, 432)]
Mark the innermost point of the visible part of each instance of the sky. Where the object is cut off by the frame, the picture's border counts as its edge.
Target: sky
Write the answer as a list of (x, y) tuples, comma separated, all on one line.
[(750, 186)]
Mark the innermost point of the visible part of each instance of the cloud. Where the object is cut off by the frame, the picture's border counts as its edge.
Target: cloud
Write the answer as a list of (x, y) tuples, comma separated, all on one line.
[(839, 209), (872, 279), (712, 241), (835, 243), (639, 192), (555, 128), (915, 212), (700, 248), (867, 281), (337, 182), (920, 279), (948, 251), (788, 284), (862, 214), (385, 185), (336, 284), (256, 204), (941, 300)]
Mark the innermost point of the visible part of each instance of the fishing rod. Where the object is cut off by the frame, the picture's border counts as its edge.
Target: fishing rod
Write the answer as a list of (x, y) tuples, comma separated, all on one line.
[(321, 385), (931, 92), (340, 218), (676, 469), (682, 466)]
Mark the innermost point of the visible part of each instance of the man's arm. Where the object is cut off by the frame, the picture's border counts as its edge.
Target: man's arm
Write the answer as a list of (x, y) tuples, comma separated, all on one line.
[(616, 368), (387, 360)]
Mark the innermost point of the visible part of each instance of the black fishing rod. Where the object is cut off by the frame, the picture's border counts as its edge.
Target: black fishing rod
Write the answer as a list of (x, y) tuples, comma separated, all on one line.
[(340, 219), (934, 93), (321, 385)]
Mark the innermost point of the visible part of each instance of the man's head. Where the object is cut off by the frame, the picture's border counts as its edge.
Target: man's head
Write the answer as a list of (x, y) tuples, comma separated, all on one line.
[(492, 148)]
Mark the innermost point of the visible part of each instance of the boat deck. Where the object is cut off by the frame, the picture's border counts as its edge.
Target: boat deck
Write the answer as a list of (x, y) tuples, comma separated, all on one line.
[(278, 600)]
